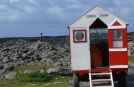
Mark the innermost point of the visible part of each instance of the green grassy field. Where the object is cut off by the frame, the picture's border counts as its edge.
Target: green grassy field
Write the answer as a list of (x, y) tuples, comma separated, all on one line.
[(60, 82), (55, 82), (131, 59)]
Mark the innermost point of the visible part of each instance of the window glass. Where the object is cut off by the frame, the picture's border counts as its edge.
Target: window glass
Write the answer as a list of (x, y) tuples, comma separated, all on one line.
[(117, 44), (117, 34), (117, 38), (98, 35), (79, 35)]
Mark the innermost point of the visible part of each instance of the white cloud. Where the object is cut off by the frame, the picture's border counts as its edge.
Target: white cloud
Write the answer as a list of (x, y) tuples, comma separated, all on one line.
[(118, 2), (3, 6), (14, 1), (10, 16), (33, 1), (73, 4), (56, 11), (126, 11), (71, 1), (76, 6), (29, 9), (19, 13)]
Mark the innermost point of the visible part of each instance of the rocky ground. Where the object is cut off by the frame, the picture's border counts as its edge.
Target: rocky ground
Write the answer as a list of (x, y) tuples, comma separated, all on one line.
[(131, 48), (17, 51), (49, 51)]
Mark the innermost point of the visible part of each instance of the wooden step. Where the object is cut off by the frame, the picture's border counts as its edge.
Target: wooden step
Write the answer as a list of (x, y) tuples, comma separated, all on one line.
[(101, 80), (100, 70), (103, 86), (100, 73)]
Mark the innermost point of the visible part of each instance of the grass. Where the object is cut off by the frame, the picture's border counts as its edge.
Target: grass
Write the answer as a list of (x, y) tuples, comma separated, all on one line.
[(31, 66), (131, 59), (35, 77), (56, 82), (60, 81)]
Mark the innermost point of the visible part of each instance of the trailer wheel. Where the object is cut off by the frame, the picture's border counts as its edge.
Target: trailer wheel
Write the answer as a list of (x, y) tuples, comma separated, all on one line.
[(76, 80), (122, 80)]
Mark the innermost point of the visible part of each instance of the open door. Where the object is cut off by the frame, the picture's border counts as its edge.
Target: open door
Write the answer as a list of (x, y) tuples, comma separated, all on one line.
[(99, 44)]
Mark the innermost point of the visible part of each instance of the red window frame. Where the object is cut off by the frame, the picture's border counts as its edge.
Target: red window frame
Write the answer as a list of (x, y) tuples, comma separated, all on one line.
[(117, 38), (85, 36)]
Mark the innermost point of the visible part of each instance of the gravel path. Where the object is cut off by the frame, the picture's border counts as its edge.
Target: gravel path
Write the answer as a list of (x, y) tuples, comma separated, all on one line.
[(63, 44)]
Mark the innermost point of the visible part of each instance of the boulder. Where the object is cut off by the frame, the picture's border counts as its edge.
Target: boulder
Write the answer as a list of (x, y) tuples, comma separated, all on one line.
[(6, 60), (11, 75), (53, 70), (43, 60), (28, 71), (2, 73), (61, 71), (24, 55), (1, 66), (58, 64), (49, 62), (9, 66), (60, 60), (19, 63)]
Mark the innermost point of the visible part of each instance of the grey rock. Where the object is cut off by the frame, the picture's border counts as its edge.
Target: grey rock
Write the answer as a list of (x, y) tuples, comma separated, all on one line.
[(17, 55), (43, 60), (16, 52), (37, 58), (44, 54), (1, 66), (49, 62), (65, 64), (11, 75), (31, 52), (2, 73), (62, 71), (24, 50), (9, 66), (5, 49), (28, 71), (60, 60), (3, 54), (42, 71), (28, 60), (19, 63), (58, 64), (5, 60), (24, 55), (53, 70), (67, 59), (51, 48)]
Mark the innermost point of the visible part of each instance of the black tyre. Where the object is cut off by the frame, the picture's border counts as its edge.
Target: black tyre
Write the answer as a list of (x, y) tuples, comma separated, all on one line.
[(122, 80), (76, 80)]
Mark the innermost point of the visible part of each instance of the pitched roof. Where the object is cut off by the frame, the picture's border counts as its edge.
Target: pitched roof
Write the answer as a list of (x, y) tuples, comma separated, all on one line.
[(95, 12)]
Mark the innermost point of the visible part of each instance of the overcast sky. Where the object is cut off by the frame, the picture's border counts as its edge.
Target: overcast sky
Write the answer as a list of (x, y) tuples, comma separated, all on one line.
[(25, 18)]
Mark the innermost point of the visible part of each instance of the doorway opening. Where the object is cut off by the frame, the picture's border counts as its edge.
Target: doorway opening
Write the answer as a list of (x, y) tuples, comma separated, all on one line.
[(99, 52)]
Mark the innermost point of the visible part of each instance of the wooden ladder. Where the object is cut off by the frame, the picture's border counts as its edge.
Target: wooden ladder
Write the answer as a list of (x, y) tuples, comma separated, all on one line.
[(98, 80)]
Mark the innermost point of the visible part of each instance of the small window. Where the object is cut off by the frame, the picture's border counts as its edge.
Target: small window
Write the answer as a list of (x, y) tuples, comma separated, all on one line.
[(117, 34), (99, 35), (117, 38), (79, 35)]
